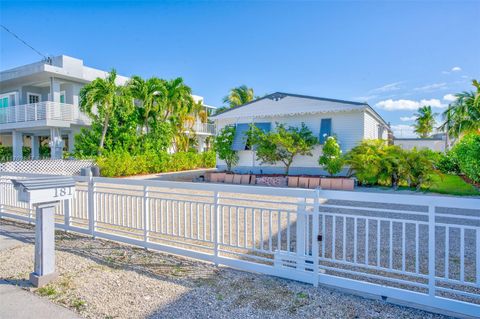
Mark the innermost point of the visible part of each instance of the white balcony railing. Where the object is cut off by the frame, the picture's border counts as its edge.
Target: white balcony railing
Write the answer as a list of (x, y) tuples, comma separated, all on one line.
[(42, 111), (201, 128)]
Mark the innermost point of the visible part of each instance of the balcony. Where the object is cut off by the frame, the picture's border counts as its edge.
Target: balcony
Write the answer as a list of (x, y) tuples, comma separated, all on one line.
[(200, 128), (42, 114)]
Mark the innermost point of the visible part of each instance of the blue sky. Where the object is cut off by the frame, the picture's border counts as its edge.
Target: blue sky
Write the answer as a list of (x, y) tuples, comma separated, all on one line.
[(395, 55)]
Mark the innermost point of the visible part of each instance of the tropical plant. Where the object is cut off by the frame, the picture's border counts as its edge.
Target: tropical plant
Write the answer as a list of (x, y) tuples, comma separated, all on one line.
[(463, 115), (223, 146), (282, 144), (418, 169), (331, 159), (237, 96), (100, 98), (447, 163), (392, 165), (148, 94), (425, 121), (467, 152), (365, 160)]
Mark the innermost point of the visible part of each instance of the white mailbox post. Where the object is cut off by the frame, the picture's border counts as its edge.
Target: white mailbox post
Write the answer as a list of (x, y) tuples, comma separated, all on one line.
[(44, 194)]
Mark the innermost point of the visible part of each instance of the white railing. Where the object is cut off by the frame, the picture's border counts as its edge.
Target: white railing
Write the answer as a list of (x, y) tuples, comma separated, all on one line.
[(41, 111), (202, 128), (422, 250)]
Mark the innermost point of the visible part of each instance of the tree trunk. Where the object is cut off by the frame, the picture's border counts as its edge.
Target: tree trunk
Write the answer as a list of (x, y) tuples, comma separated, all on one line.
[(104, 133)]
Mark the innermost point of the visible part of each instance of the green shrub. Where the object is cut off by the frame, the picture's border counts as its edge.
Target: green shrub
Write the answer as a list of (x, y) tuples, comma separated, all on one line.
[(447, 163), (467, 152), (331, 159), (122, 163), (365, 161), (374, 162), (223, 146)]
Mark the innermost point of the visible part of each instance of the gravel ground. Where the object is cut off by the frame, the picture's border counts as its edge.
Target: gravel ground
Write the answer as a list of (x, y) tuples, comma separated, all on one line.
[(102, 279)]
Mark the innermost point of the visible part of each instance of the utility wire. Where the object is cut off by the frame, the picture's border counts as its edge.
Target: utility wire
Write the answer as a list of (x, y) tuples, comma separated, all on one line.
[(28, 45)]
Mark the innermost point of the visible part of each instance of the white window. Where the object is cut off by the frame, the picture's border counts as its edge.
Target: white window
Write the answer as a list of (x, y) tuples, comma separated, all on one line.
[(33, 98)]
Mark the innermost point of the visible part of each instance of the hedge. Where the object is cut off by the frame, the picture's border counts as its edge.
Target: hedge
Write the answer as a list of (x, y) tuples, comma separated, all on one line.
[(121, 163)]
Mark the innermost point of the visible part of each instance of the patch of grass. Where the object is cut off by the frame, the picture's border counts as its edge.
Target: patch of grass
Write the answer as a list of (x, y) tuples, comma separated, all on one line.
[(220, 297), (451, 184), (47, 291), (78, 304), (302, 295), (443, 184)]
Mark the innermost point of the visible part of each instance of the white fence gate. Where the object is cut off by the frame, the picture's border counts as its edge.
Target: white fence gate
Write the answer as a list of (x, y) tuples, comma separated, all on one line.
[(424, 250)]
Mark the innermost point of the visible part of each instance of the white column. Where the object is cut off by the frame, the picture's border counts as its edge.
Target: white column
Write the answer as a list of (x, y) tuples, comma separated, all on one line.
[(71, 142), (17, 144), (54, 90), (201, 143), (35, 145), (44, 270), (56, 144)]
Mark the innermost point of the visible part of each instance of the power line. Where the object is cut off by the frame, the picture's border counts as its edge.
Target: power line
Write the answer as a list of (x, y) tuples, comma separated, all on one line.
[(48, 59)]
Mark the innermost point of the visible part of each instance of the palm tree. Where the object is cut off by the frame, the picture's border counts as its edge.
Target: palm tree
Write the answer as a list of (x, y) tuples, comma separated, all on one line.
[(463, 115), (100, 98), (238, 96), (149, 93), (425, 121), (178, 97)]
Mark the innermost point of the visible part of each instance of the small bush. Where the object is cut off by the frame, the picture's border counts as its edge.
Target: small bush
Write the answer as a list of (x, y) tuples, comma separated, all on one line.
[(467, 152), (374, 162), (331, 158), (447, 163)]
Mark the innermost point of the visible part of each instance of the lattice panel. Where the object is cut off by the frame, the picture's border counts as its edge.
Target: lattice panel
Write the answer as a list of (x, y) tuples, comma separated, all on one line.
[(46, 166)]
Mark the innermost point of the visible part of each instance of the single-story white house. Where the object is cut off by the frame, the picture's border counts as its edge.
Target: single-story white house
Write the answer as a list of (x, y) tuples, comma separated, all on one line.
[(350, 122)]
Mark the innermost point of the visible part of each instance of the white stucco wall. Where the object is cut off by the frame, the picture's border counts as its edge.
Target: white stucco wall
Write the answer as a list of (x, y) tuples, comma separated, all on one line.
[(408, 144)]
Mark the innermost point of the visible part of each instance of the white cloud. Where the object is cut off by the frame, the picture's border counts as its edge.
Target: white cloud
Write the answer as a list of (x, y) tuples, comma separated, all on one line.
[(432, 87), (403, 130), (449, 97), (365, 98), (394, 105), (408, 118), (387, 88), (432, 103), (456, 69)]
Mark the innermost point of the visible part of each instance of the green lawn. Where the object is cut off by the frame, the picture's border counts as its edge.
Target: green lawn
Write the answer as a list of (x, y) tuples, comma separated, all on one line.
[(451, 184), (445, 184)]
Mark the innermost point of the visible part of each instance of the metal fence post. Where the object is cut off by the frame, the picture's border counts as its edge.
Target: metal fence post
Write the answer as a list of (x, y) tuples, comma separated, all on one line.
[(431, 250), (216, 199), (315, 226), (146, 216), (91, 204)]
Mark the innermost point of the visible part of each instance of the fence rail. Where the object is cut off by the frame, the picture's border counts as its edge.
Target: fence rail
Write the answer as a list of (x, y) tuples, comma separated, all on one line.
[(424, 250)]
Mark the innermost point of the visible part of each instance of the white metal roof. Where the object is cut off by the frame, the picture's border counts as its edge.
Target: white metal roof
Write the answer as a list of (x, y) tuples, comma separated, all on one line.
[(289, 104)]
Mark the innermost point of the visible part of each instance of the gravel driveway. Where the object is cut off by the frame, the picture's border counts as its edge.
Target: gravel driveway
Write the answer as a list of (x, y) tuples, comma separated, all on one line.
[(102, 279)]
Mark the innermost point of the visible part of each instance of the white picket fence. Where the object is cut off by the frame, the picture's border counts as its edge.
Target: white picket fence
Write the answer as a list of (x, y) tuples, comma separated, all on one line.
[(422, 250)]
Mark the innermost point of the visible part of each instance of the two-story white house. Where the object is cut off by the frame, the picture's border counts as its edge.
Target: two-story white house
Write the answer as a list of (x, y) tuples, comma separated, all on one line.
[(350, 122), (42, 100)]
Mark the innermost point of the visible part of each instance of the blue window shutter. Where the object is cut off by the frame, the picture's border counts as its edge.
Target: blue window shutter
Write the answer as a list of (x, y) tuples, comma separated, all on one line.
[(264, 126), (240, 139), (325, 129)]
